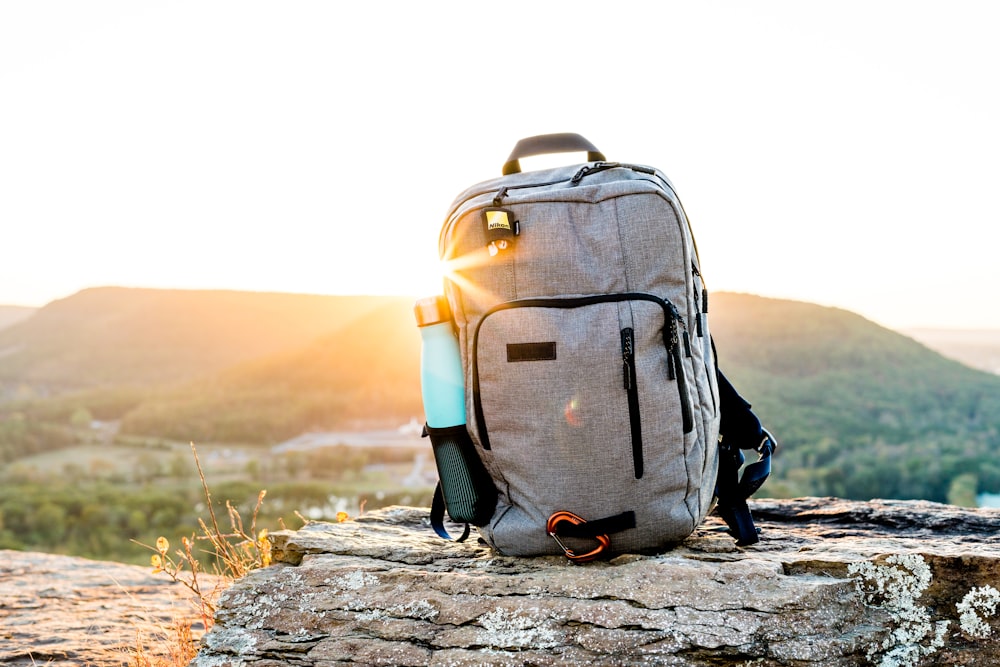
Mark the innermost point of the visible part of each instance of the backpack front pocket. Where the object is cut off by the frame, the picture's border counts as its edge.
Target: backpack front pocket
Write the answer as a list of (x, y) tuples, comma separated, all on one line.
[(550, 375)]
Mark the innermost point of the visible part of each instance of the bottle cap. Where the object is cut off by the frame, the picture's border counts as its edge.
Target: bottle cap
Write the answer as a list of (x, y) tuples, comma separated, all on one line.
[(432, 310)]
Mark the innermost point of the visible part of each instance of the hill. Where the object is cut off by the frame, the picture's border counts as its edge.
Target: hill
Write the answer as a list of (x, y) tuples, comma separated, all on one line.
[(368, 372), (860, 411), (13, 314), (111, 336)]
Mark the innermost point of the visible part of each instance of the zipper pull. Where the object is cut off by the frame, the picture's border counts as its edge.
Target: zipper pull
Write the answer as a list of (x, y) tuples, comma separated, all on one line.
[(498, 199), (704, 290), (675, 338), (591, 169), (672, 348), (628, 356), (584, 170)]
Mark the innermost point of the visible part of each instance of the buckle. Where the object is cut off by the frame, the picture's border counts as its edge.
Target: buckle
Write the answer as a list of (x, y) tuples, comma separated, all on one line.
[(767, 445), (551, 526)]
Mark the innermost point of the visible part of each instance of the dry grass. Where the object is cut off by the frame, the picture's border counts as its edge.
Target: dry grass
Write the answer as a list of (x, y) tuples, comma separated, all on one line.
[(233, 552)]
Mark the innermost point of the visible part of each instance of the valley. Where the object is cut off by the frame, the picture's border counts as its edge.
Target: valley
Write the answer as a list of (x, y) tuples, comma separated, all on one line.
[(316, 400)]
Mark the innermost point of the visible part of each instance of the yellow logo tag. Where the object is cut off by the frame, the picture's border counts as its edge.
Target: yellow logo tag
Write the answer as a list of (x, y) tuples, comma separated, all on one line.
[(497, 220)]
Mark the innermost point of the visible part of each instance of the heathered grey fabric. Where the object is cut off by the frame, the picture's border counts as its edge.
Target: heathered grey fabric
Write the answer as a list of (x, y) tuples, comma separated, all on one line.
[(559, 430)]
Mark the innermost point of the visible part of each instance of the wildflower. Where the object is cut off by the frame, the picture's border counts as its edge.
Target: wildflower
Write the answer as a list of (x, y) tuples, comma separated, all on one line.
[(162, 544), (264, 545), (342, 517), (157, 563)]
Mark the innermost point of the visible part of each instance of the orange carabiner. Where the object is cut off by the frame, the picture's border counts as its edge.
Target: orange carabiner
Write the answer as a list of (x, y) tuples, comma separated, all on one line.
[(603, 541)]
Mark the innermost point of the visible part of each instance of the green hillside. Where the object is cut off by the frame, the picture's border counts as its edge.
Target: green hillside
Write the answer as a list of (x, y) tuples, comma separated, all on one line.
[(110, 336), (860, 411)]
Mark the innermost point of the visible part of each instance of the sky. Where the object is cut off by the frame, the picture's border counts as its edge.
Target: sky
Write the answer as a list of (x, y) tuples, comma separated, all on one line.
[(842, 153)]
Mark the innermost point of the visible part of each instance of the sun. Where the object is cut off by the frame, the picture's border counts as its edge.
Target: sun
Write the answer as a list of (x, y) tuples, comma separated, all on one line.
[(414, 276)]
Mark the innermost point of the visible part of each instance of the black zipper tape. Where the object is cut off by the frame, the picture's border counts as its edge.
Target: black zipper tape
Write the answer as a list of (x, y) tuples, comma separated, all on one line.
[(632, 389)]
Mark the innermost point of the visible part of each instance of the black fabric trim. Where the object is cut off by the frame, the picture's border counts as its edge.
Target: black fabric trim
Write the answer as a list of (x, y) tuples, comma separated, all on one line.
[(446, 431), (605, 526)]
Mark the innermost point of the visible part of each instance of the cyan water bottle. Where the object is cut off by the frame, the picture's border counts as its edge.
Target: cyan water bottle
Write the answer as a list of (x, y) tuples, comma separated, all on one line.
[(468, 490)]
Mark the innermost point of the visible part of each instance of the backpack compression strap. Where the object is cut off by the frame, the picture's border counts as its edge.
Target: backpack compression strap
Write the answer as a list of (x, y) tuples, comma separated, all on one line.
[(566, 524)]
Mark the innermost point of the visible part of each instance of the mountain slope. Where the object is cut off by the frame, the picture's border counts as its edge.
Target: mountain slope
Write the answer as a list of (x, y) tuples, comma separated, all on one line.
[(366, 372), (110, 335), (860, 411)]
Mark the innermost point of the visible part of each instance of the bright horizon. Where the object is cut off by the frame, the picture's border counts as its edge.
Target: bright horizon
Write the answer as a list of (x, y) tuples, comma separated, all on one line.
[(841, 154)]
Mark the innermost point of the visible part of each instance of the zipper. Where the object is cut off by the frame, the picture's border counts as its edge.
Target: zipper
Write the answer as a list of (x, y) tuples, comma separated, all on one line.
[(497, 199), (671, 340), (573, 180), (675, 367), (631, 386), (587, 169)]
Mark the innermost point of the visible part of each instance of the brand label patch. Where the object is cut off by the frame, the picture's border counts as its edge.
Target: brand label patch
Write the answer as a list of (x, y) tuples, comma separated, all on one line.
[(498, 219), (531, 351)]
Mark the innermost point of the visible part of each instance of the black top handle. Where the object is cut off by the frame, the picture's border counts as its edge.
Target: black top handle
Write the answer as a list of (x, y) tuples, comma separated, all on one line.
[(543, 144)]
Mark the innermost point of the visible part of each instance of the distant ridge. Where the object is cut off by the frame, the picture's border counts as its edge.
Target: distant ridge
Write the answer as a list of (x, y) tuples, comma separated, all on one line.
[(976, 348), (13, 314), (111, 335)]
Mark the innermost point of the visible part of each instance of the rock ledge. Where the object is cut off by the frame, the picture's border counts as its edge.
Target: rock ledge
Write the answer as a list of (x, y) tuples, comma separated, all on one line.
[(831, 583)]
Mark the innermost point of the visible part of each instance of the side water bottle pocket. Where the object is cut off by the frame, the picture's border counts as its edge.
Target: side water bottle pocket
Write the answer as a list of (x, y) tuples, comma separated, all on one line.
[(468, 491), (469, 494)]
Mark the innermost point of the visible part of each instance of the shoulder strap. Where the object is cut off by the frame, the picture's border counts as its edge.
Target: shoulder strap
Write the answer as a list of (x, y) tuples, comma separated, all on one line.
[(732, 490), (740, 429)]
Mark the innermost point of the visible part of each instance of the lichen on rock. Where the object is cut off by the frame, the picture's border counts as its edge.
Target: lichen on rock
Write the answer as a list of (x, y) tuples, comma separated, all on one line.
[(895, 586), (976, 608)]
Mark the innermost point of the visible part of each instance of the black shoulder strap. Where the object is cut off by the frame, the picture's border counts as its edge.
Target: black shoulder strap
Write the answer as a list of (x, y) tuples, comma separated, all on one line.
[(740, 429), (732, 490)]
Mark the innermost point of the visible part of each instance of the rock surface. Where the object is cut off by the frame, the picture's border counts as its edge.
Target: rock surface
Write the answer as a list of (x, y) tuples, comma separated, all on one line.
[(60, 611), (831, 583)]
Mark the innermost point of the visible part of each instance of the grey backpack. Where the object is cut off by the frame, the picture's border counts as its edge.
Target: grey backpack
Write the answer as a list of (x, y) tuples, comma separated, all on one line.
[(592, 393)]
